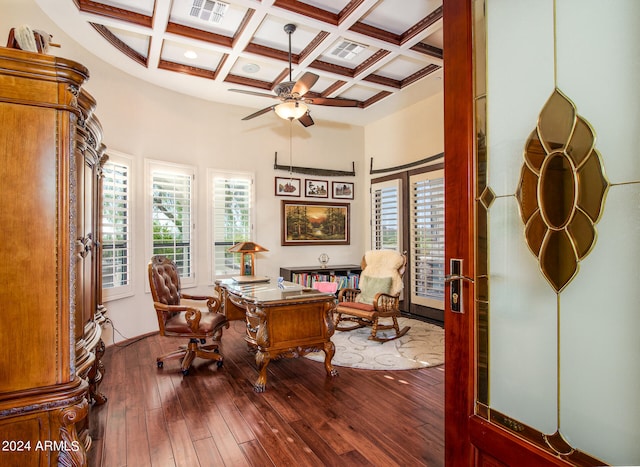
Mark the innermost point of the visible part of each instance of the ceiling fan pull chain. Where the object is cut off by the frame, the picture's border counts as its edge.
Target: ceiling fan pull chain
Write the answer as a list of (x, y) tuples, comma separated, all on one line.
[(290, 148)]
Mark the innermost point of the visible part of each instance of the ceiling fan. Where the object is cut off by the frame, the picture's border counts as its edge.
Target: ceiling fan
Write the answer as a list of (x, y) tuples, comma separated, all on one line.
[(291, 93)]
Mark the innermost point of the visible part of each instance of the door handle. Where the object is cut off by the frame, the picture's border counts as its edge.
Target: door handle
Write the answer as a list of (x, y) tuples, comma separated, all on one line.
[(457, 277), (455, 280)]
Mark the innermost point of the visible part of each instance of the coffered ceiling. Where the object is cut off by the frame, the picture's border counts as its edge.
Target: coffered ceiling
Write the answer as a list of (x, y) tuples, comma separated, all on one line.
[(385, 54)]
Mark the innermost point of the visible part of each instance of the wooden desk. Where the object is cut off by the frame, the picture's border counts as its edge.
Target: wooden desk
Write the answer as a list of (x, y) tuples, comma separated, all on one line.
[(281, 323)]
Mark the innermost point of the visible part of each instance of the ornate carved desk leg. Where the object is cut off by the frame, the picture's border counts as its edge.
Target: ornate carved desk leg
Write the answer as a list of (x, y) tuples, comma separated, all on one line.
[(262, 360), (329, 352), (262, 339), (329, 347)]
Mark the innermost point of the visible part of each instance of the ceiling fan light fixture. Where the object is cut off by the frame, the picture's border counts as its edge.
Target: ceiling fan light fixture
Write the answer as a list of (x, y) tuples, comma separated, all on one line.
[(291, 110)]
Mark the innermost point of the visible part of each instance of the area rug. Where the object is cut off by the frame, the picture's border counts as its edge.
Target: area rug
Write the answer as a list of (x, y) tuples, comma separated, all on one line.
[(421, 347)]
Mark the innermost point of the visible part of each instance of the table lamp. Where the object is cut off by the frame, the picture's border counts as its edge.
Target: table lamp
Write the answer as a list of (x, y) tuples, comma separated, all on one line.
[(250, 249)]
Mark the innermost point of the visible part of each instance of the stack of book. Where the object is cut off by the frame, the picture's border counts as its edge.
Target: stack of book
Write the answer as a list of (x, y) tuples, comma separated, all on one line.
[(348, 281)]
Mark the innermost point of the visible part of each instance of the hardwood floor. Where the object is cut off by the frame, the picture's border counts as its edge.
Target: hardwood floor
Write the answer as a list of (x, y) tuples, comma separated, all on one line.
[(212, 417)]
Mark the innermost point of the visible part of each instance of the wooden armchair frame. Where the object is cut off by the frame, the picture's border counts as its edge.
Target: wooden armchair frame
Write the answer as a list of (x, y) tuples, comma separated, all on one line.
[(385, 305)]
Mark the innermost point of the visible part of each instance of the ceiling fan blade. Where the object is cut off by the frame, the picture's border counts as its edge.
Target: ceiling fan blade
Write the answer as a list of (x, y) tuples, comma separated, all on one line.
[(334, 101), (259, 112), (305, 83), (306, 120), (254, 93)]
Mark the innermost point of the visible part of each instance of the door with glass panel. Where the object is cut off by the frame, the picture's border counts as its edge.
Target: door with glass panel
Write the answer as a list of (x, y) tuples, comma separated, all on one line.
[(542, 207)]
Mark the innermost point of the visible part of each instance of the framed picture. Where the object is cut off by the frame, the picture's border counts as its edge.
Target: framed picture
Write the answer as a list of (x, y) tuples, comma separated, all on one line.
[(316, 188), (287, 186), (342, 190), (315, 223)]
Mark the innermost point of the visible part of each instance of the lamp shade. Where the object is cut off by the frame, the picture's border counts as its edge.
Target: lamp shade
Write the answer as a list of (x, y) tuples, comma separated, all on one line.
[(291, 110), (246, 247)]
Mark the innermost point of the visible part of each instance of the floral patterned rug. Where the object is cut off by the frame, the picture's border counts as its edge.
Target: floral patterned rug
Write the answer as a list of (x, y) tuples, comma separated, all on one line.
[(421, 347)]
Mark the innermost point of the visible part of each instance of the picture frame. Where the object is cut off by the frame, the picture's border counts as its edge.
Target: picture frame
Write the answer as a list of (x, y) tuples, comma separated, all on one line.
[(315, 223), (316, 188), (342, 190), (287, 186)]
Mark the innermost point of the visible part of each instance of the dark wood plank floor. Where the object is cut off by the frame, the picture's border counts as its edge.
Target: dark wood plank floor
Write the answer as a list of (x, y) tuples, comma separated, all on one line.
[(212, 417)]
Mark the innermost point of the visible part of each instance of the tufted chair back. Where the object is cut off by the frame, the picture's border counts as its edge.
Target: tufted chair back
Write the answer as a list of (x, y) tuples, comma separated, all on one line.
[(164, 280)]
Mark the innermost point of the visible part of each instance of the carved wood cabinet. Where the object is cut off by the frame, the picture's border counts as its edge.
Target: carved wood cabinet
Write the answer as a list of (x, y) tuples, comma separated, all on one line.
[(50, 300)]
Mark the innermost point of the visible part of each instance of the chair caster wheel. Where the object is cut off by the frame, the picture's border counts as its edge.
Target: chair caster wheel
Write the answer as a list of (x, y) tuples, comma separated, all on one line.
[(185, 372), (203, 341), (160, 364), (219, 363), (216, 350)]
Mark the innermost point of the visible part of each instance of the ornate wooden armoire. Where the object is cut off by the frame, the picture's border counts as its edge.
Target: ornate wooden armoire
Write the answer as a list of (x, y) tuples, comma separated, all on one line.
[(50, 300)]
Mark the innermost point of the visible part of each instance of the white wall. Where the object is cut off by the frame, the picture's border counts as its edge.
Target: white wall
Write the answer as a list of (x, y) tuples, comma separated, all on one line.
[(413, 134), (146, 121)]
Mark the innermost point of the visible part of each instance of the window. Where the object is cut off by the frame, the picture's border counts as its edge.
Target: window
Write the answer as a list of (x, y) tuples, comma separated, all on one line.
[(232, 201), (116, 227), (427, 239), (170, 217), (386, 215)]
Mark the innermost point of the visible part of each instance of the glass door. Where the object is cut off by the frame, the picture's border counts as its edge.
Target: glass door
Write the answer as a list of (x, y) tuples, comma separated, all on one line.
[(558, 224)]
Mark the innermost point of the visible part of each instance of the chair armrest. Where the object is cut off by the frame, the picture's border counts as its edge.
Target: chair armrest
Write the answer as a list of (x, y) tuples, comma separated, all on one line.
[(213, 303), (386, 303), (191, 315), (348, 295)]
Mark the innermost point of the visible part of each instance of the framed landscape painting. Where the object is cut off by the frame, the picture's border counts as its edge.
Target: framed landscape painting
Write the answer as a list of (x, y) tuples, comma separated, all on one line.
[(286, 186), (342, 190), (315, 223)]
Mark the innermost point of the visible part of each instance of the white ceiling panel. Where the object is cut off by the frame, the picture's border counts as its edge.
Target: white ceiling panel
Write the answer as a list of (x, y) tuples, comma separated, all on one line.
[(248, 49)]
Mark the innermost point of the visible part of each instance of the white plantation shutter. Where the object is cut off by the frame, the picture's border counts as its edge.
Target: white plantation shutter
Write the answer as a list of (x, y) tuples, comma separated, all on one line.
[(116, 232), (172, 216), (427, 239), (232, 219), (386, 215)]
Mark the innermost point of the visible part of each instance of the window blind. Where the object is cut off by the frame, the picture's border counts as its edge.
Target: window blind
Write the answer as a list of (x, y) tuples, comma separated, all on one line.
[(232, 219), (116, 259), (171, 217), (427, 239), (386, 215)]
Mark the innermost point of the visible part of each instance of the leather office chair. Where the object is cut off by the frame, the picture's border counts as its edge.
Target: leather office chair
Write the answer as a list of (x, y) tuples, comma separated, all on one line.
[(177, 319), (378, 296)]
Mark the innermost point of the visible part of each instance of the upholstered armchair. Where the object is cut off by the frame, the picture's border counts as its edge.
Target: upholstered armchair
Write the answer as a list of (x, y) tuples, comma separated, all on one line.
[(376, 302), (180, 319)]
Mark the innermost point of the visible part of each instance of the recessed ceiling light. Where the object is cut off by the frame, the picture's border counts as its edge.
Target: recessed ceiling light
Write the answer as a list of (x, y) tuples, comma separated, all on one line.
[(251, 68), (190, 54)]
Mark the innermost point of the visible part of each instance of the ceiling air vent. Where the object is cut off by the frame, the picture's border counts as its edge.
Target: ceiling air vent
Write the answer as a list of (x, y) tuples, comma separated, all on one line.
[(209, 10), (347, 49)]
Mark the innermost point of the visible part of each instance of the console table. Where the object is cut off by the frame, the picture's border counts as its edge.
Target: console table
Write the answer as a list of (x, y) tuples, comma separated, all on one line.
[(284, 322)]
